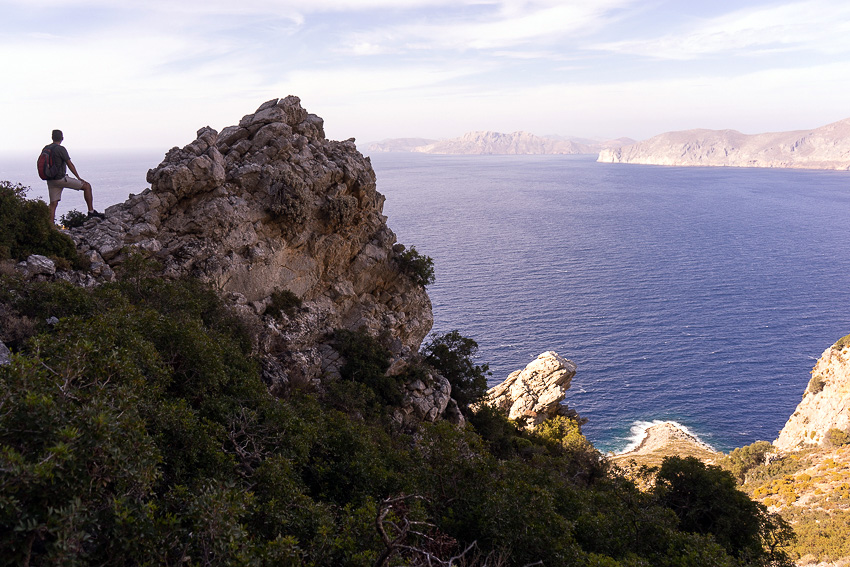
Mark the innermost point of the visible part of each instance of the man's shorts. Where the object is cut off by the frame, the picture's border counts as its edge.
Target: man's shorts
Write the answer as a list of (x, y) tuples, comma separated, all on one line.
[(55, 186)]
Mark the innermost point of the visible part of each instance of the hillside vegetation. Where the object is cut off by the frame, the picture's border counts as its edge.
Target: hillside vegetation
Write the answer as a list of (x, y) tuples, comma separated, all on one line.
[(135, 429)]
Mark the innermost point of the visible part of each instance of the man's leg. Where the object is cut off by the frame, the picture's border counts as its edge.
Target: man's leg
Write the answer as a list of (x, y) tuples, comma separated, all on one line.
[(87, 195), (53, 211)]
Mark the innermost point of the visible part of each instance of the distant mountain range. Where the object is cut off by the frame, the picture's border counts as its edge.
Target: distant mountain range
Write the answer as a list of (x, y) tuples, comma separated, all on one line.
[(497, 143), (827, 147)]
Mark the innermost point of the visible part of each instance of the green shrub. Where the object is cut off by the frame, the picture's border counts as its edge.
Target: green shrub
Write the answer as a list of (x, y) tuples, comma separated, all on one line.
[(73, 219), (367, 362), (138, 431), (284, 302), (816, 384), (25, 227), (706, 500), (292, 204), (743, 459), (836, 438), (842, 343), (419, 268), (452, 356), (340, 210)]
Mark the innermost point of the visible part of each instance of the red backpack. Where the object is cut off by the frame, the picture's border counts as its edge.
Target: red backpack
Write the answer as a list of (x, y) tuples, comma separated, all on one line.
[(49, 163)]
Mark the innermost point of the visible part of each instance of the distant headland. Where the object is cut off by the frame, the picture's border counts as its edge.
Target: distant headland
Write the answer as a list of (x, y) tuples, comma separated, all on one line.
[(827, 147), (497, 143)]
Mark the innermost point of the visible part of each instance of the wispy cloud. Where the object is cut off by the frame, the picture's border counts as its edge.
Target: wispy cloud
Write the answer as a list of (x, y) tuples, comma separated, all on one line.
[(815, 26)]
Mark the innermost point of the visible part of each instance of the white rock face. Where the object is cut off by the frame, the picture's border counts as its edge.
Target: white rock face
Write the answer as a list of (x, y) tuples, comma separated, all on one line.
[(827, 147), (825, 404), (534, 393)]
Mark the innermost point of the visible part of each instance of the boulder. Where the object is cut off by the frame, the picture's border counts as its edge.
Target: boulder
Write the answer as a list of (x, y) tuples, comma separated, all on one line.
[(37, 265), (5, 354), (534, 394)]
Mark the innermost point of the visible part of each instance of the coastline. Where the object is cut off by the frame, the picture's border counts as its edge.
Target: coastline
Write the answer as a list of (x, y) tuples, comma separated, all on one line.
[(662, 439)]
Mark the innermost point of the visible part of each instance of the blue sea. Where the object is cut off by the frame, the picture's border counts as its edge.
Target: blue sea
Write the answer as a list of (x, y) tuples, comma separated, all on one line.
[(702, 296)]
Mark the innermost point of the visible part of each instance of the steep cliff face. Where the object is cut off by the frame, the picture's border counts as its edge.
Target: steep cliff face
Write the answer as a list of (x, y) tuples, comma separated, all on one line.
[(825, 404), (267, 205), (827, 147)]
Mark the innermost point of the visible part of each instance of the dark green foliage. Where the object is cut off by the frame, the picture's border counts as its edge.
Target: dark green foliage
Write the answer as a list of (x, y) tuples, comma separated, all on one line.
[(340, 210), (842, 343), (73, 219), (292, 204), (452, 356), (367, 362), (137, 431), (706, 500), (419, 268), (25, 227), (284, 301), (743, 459)]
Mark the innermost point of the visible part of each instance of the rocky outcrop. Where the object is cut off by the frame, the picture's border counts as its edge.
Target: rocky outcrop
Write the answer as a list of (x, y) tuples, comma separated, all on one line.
[(268, 205), (663, 439), (827, 147), (825, 404), (534, 394)]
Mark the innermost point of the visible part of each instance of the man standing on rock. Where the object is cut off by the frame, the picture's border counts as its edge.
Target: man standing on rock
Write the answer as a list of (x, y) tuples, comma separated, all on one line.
[(55, 186)]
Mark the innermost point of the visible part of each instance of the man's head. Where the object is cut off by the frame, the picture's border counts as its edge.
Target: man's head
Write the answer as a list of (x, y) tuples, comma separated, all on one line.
[(57, 136)]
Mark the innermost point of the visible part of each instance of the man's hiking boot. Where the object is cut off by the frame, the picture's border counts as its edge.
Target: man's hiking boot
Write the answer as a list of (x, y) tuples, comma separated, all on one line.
[(95, 215)]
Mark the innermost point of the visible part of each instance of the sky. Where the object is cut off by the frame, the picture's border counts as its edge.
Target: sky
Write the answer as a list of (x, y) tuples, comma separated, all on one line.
[(148, 74)]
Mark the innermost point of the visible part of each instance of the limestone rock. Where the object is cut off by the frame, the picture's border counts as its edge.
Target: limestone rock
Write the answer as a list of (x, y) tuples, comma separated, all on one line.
[(534, 393), (827, 147), (825, 404), (428, 400), (37, 264), (270, 204), (5, 354)]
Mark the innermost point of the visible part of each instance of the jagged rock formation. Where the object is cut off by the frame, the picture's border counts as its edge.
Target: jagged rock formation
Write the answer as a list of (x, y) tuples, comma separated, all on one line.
[(534, 394), (266, 205), (825, 404), (827, 147), (516, 143)]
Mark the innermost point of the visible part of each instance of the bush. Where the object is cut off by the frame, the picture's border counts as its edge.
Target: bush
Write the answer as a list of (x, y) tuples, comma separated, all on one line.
[(452, 356), (836, 438), (816, 384), (419, 268), (842, 343), (707, 501), (340, 210), (743, 459), (25, 228), (284, 302), (73, 219), (367, 362)]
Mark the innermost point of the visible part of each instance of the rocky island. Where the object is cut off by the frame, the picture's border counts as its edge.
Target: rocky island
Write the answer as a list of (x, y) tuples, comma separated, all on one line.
[(827, 147)]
